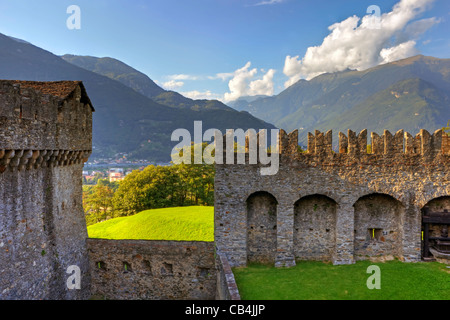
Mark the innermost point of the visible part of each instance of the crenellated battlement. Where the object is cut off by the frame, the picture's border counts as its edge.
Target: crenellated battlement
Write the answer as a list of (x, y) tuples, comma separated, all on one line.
[(351, 145), (401, 142)]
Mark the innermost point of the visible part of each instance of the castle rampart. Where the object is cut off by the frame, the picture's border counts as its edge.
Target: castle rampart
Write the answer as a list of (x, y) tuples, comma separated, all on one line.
[(362, 201), (152, 270)]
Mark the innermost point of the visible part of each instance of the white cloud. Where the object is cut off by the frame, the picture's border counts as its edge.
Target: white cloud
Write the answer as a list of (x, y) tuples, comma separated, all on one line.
[(172, 84), (196, 95), (399, 52), (262, 86), (182, 77), (222, 76), (417, 28), (242, 83), (359, 44), (268, 2)]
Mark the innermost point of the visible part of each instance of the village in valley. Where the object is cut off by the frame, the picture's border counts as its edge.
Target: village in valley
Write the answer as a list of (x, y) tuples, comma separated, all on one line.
[(114, 168)]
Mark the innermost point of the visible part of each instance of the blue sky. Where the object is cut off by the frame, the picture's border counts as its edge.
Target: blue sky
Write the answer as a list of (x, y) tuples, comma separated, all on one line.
[(228, 48)]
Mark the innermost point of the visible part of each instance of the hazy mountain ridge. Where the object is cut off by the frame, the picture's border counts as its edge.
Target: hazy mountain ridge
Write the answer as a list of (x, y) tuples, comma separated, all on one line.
[(242, 102), (138, 81), (347, 100), (116, 70)]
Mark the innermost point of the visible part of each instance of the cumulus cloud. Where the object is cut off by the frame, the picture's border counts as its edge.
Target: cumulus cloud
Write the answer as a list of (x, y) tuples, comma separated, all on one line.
[(197, 95), (182, 77), (398, 52), (172, 84), (244, 84), (262, 86), (361, 43)]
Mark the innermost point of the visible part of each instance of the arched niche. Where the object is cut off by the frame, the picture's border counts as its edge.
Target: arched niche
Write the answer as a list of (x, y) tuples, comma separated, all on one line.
[(378, 232), (314, 227), (261, 227), (435, 227)]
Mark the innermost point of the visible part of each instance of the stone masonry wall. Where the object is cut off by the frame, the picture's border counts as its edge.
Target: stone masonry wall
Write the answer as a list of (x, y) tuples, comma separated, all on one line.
[(261, 228), (314, 227), (409, 170), (378, 227), (32, 120), (226, 283), (446, 143), (156, 270), (45, 137)]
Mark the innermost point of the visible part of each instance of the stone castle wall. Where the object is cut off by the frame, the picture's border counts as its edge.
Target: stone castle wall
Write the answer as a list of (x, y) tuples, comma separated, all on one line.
[(45, 137), (60, 120), (358, 203), (152, 270)]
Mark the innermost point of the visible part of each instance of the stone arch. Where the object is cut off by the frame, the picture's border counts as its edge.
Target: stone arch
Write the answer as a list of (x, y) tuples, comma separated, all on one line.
[(440, 204), (378, 231), (437, 207), (261, 227), (425, 201), (314, 227)]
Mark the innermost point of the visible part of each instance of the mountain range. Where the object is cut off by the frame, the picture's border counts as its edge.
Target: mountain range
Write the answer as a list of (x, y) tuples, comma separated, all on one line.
[(409, 94), (129, 118), (138, 81), (135, 116)]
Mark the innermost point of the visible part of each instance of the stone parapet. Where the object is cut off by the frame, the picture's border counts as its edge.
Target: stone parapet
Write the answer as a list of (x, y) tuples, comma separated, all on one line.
[(156, 270), (388, 149)]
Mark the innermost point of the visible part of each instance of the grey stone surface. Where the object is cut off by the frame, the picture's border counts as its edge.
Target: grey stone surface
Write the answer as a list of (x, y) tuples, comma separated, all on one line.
[(321, 205), (328, 201), (155, 270), (45, 137)]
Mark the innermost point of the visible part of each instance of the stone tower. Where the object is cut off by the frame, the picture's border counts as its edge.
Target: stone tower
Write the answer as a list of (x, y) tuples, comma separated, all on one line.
[(45, 138)]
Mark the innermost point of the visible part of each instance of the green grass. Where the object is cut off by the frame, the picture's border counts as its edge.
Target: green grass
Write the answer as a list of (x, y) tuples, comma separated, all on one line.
[(194, 223), (321, 281)]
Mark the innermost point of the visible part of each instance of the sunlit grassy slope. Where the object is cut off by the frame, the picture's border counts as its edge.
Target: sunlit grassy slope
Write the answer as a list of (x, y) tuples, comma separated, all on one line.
[(194, 223)]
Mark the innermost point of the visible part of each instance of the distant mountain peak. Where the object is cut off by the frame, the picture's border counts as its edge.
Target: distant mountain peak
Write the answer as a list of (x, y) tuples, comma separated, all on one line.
[(345, 100)]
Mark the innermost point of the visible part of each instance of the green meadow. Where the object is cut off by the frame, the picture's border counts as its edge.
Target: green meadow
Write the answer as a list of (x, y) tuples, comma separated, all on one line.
[(195, 223), (310, 280)]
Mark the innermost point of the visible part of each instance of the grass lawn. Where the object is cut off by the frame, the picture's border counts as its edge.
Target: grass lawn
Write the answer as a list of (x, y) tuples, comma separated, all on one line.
[(194, 223), (321, 281)]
